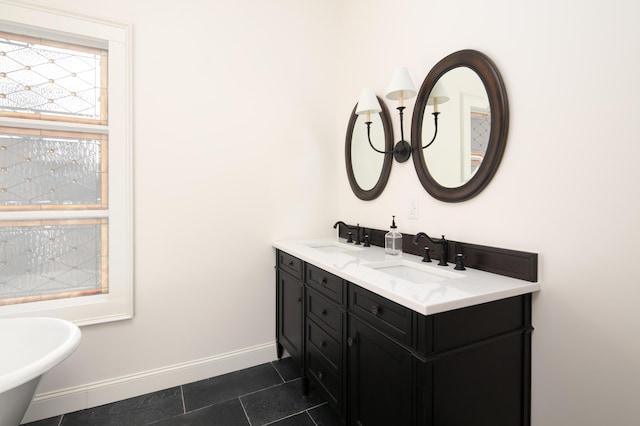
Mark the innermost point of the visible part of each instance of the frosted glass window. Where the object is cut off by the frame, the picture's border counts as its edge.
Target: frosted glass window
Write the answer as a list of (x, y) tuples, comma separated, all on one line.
[(52, 79), (52, 170), (43, 260), (47, 169), (66, 177)]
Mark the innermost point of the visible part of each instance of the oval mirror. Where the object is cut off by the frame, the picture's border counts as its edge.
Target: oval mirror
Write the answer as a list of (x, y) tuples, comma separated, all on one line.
[(368, 171), (461, 116)]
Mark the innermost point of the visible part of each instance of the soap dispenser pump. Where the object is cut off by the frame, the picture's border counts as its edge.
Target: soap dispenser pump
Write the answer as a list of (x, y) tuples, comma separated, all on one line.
[(393, 239)]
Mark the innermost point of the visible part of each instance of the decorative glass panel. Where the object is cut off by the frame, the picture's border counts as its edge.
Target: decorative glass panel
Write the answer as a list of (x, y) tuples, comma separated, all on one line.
[(50, 78), (42, 260), (480, 131), (46, 170)]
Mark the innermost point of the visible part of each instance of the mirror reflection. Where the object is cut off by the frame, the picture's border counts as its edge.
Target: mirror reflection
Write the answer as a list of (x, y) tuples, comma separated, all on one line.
[(464, 126), (367, 164), (368, 171), (472, 127)]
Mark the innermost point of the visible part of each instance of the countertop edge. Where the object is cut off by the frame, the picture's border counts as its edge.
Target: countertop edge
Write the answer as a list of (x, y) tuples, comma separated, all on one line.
[(484, 286)]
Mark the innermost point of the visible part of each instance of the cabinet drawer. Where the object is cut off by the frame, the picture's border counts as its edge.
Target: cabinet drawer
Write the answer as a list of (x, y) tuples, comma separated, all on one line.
[(326, 313), (324, 344), (291, 264), (389, 317), (325, 376), (326, 283)]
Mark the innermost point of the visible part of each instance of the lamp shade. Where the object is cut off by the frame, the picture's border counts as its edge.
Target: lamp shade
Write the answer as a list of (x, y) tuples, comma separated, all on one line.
[(401, 86), (368, 103), (438, 93)]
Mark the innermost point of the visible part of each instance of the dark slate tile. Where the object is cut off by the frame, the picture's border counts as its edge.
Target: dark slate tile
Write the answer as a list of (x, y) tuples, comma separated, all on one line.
[(288, 369), (301, 419), (325, 415), (136, 411), (229, 386), (223, 414), (52, 421), (278, 402)]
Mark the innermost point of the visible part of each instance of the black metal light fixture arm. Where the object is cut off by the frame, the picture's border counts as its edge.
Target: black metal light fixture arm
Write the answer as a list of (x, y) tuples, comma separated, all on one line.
[(435, 133), (402, 150), (368, 123)]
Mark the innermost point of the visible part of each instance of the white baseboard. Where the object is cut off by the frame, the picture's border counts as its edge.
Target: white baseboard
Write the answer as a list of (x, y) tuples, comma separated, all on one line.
[(68, 400)]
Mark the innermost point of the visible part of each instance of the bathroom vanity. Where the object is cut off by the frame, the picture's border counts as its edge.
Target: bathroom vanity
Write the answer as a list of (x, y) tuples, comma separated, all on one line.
[(389, 340)]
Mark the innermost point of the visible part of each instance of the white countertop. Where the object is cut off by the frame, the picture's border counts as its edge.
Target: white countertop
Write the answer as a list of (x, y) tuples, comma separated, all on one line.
[(455, 289)]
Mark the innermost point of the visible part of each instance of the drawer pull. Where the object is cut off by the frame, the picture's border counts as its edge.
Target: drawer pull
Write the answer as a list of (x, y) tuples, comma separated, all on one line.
[(350, 341), (375, 310), (291, 263), (324, 281)]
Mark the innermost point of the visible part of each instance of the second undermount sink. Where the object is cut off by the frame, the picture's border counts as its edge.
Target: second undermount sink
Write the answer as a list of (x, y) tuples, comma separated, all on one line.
[(415, 272), (334, 247)]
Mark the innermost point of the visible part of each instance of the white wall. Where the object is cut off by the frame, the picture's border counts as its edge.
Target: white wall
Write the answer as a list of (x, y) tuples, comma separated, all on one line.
[(567, 187), (233, 137), (249, 147)]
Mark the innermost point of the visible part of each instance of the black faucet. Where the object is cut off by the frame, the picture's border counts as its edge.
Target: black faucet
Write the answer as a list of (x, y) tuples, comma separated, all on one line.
[(357, 229), (443, 250)]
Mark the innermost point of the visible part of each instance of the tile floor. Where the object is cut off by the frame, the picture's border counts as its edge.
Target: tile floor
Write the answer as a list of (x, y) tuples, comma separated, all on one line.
[(268, 394)]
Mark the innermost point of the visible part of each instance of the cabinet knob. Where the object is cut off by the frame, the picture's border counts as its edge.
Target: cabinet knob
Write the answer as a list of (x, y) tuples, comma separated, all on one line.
[(299, 299), (322, 345), (324, 280), (375, 310), (320, 375), (291, 263), (323, 312), (350, 341)]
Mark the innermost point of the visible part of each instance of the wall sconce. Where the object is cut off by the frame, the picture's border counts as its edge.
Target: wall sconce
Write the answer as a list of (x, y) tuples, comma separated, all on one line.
[(437, 96), (401, 88)]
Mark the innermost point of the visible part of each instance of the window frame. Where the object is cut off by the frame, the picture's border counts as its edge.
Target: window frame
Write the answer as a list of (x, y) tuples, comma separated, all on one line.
[(115, 37)]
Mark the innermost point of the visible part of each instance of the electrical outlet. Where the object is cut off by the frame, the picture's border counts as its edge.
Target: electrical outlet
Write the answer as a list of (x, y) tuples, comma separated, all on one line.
[(413, 208)]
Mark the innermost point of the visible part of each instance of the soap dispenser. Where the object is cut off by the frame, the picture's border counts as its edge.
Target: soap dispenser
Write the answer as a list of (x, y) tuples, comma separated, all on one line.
[(393, 239)]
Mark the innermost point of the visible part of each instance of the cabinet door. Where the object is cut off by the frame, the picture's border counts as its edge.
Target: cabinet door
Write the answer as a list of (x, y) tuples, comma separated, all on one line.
[(290, 320), (380, 379)]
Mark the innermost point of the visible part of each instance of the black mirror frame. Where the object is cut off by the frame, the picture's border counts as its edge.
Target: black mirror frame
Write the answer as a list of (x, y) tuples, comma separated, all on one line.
[(498, 103), (373, 193)]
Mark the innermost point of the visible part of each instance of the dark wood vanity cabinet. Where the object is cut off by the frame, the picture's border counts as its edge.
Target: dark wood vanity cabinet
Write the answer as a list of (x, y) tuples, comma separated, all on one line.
[(380, 363)]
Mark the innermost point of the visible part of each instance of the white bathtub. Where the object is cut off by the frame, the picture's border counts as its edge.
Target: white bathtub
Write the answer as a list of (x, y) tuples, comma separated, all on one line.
[(29, 348)]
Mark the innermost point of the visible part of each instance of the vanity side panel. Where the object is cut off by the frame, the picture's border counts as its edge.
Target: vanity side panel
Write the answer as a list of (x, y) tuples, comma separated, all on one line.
[(290, 319), (481, 384), (289, 306), (464, 326)]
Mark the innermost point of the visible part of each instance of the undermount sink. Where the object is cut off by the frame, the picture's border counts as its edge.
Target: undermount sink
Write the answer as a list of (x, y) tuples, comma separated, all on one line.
[(414, 272), (334, 247)]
